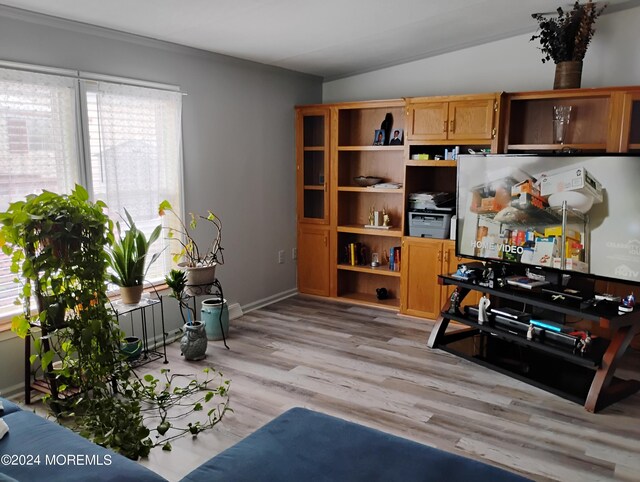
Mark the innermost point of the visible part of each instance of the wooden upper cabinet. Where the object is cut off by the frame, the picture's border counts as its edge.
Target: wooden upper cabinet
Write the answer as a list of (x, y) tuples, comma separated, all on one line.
[(472, 119), (469, 118), (312, 164), (630, 129), (428, 121)]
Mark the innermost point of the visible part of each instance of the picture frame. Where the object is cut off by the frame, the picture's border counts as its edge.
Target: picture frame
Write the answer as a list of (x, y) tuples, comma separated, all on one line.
[(396, 137), (379, 137)]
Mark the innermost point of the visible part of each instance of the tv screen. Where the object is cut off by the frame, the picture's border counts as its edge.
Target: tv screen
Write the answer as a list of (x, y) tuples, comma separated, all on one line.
[(510, 208)]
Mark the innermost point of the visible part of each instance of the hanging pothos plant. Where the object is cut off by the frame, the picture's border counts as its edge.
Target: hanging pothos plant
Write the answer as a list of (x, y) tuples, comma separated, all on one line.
[(57, 246)]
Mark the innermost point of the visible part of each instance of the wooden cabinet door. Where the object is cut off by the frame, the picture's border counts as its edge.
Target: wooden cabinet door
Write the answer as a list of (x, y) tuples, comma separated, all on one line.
[(313, 260), (419, 290), (428, 121), (630, 136), (471, 119), (450, 265)]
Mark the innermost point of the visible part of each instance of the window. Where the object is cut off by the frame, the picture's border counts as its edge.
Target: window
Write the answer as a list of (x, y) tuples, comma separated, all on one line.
[(134, 151), (131, 157)]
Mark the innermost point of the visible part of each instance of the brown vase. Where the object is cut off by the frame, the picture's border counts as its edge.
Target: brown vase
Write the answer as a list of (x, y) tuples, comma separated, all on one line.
[(568, 75)]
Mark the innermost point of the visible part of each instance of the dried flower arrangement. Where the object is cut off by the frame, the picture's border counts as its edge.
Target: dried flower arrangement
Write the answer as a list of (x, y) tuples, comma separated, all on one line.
[(567, 37)]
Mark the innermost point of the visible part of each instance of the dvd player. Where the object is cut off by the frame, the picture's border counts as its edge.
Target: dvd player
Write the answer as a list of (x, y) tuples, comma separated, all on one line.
[(511, 313)]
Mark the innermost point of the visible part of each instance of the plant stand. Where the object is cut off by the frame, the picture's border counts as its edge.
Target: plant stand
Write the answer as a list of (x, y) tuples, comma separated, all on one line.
[(213, 289), (139, 311)]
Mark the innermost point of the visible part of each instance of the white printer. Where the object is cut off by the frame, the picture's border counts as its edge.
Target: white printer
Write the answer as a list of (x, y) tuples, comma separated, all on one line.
[(430, 214)]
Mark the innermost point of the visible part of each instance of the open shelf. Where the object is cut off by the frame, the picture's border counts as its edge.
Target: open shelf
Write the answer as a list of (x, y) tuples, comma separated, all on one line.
[(371, 300), (370, 190), (589, 360), (382, 270), (314, 187), (370, 148), (360, 229), (431, 163)]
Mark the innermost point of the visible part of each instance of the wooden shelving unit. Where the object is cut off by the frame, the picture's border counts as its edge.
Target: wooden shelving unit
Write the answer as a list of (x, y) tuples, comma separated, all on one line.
[(353, 155), (335, 145)]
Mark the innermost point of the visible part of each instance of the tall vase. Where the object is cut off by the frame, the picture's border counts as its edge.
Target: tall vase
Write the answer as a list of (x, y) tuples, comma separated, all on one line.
[(568, 75)]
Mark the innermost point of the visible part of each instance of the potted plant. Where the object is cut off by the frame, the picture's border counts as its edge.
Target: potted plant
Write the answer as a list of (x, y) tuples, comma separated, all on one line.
[(200, 265), (565, 40), (193, 344), (127, 258)]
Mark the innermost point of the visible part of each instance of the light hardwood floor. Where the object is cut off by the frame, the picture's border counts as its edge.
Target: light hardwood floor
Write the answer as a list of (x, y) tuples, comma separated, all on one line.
[(373, 367)]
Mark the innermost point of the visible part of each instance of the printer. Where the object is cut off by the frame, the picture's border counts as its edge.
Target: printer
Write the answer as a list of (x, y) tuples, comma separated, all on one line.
[(430, 214), (431, 223)]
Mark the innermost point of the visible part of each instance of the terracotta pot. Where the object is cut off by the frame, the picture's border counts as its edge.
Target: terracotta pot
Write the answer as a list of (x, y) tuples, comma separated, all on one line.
[(568, 75), (131, 295)]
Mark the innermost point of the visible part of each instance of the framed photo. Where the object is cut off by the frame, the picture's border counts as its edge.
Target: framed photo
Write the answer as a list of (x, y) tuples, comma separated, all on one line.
[(378, 138), (396, 137)]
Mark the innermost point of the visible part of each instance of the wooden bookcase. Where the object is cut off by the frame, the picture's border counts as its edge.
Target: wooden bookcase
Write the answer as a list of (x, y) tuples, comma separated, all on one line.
[(353, 154)]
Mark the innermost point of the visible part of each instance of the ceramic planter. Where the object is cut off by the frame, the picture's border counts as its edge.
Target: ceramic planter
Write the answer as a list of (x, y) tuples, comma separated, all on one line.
[(211, 316), (194, 341), (199, 279)]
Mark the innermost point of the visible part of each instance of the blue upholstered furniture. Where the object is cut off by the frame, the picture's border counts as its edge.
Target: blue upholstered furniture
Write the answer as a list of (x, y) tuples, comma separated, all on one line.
[(302, 445), (299, 445), (70, 456)]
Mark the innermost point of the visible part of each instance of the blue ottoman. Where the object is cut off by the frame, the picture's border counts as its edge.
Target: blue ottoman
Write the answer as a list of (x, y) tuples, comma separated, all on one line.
[(304, 445)]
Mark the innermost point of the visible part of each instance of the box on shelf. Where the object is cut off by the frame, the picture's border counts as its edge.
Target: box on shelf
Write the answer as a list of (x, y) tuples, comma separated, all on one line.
[(571, 265), (574, 179), (525, 187), (556, 231)]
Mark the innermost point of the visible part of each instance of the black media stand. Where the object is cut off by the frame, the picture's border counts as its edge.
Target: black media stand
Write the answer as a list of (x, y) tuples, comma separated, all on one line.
[(587, 378)]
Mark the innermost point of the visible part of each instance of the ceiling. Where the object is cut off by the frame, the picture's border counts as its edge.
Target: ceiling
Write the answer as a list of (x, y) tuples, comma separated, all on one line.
[(330, 39)]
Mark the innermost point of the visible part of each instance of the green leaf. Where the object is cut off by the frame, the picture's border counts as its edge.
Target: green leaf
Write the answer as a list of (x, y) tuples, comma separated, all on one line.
[(164, 206), (197, 407), (148, 378), (167, 447)]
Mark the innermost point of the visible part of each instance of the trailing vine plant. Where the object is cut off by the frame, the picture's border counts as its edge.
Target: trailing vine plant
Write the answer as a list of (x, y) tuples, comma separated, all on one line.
[(57, 246)]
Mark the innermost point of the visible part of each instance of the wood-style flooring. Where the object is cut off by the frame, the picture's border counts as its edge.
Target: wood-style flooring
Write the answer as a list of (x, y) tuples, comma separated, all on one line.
[(373, 367)]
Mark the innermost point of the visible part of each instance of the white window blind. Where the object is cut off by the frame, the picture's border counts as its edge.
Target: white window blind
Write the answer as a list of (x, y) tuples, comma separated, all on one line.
[(131, 157), (38, 147), (135, 161)]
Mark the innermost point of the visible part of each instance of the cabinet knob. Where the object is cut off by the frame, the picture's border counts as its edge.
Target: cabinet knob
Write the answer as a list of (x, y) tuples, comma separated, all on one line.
[(444, 126), (439, 255), (452, 125)]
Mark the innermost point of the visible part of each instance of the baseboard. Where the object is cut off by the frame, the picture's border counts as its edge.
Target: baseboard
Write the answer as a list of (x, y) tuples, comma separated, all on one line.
[(269, 300), (235, 311), (13, 390)]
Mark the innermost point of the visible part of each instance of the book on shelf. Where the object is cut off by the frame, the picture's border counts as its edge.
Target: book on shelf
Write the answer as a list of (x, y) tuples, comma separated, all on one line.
[(525, 282), (356, 254), (394, 258)]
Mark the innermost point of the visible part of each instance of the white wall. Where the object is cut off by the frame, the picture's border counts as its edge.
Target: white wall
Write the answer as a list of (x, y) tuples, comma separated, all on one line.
[(239, 144), (512, 65)]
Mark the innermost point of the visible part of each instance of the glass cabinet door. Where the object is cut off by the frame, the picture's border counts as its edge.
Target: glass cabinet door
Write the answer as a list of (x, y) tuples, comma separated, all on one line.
[(313, 165)]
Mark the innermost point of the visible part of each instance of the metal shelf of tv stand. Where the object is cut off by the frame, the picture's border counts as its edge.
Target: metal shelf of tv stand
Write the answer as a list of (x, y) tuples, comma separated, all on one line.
[(147, 355), (604, 388), (211, 289)]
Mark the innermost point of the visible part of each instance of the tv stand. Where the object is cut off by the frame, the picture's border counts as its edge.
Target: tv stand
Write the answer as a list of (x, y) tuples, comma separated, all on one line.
[(587, 379)]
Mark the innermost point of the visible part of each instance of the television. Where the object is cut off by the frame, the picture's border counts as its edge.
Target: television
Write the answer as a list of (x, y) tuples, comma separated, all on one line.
[(555, 213)]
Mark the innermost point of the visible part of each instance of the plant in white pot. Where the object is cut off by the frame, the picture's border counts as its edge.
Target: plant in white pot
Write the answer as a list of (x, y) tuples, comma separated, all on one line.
[(128, 259), (199, 265)]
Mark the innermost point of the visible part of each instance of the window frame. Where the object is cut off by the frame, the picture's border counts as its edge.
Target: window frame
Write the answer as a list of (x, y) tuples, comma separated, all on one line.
[(83, 79)]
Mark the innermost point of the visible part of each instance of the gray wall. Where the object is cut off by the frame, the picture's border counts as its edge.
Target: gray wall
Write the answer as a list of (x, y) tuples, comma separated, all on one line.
[(506, 65), (239, 144)]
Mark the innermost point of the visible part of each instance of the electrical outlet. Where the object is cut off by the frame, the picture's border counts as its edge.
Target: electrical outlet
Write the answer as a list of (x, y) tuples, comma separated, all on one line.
[(294, 253), (281, 256)]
